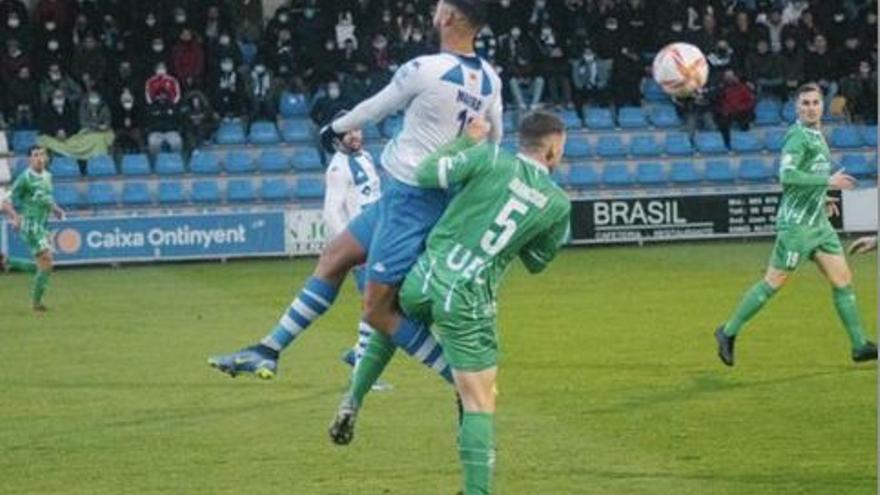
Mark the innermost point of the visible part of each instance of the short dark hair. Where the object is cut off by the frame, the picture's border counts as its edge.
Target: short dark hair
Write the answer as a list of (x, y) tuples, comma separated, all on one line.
[(35, 148), (807, 88), (537, 126), (473, 10)]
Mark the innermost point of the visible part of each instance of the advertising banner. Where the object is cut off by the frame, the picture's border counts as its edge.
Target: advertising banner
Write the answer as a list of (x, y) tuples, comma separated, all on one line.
[(305, 232), (860, 210), (174, 237), (675, 217)]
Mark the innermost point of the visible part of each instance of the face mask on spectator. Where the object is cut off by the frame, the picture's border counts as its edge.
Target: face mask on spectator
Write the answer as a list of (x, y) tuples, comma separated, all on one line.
[(505, 3), (224, 40), (283, 18), (417, 37), (260, 69), (872, 18), (333, 92), (180, 18), (839, 17), (158, 47), (151, 21), (15, 52), (611, 25), (52, 45), (515, 33), (380, 43), (94, 100), (161, 70), (58, 102), (309, 13), (54, 75), (13, 22), (540, 4), (330, 46), (127, 103), (676, 27), (226, 66), (589, 56), (479, 45), (50, 26)]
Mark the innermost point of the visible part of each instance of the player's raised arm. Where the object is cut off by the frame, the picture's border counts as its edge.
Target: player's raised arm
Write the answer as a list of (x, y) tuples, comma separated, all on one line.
[(334, 198), (456, 162), (541, 250)]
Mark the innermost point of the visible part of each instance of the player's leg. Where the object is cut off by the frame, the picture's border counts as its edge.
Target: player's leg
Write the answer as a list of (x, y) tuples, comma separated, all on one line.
[(836, 270), (341, 255), (787, 256), (44, 262), (476, 435), (13, 264)]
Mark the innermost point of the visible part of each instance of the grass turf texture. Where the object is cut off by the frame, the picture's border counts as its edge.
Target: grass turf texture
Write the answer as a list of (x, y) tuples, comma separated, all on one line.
[(609, 385)]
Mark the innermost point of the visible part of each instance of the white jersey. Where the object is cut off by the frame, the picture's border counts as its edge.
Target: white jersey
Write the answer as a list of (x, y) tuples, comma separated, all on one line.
[(440, 93), (352, 184)]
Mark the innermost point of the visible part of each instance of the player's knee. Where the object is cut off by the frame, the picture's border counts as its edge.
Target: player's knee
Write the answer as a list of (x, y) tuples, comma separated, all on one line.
[(478, 399), (379, 308), (776, 278), (337, 259), (841, 278)]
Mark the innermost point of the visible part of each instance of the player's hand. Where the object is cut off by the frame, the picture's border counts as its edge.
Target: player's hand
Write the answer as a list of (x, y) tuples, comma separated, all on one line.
[(841, 181), (330, 139), (832, 206), (478, 128), (863, 245)]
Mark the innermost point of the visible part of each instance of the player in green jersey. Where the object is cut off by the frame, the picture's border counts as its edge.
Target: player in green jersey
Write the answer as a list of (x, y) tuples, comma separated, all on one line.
[(506, 207), (803, 230), (32, 191)]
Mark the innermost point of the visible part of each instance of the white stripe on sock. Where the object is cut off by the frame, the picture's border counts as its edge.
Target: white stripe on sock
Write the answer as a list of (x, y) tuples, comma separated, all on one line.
[(427, 347), (288, 324), (301, 308), (317, 298)]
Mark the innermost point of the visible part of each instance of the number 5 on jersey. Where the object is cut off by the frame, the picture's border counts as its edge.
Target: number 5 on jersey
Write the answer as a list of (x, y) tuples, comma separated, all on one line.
[(493, 242)]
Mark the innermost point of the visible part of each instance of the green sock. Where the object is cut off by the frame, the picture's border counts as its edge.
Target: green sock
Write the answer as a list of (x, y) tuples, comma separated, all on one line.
[(476, 440), (41, 281), (379, 351), (751, 303), (845, 302), (21, 265)]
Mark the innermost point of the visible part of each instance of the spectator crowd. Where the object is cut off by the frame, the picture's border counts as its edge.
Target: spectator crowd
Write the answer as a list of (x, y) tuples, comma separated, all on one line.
[(161, 74)]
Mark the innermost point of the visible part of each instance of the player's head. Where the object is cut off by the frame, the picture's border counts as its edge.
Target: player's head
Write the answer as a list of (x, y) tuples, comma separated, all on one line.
[(38, 157), (353, 140), (810, 104), (459, 17), (542, 137)]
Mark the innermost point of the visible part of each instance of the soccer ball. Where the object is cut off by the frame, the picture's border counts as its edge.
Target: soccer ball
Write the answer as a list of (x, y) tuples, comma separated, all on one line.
[(680, 69)]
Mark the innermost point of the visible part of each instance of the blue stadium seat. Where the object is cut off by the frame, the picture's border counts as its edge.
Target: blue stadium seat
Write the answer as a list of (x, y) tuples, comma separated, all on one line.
[(610, 146), (599, 118), (67, 196), (100, 166), (846, 137), (23, 140), (169, 164), (508, 142), (296, 130), (19, 165), (665, 117), (306, 160), (171, 192), (273, 160), (263, 132), (582, 176), (856, 165), (789, 114), (616, 175), (745, 142), (571, 120), (644, 145), (309, 189), (64, 167), (205, 191), (710, 143), (240, 191), (754, 170), (632, 118), (577, 147), (773, 139), (293, 105), (650, 174), (510, 124), (101, 194), (239, 162), (719, 171), (684, 173), (275, 190), (134, 165), (204, 163), (767, 112), (652, 91), (869, 135), (678, 144), (230, 132), (136, 194), (248, 51)]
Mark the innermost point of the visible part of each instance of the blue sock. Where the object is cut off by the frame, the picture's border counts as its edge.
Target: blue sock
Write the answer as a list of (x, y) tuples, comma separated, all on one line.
[(416, 340), (313, 301)]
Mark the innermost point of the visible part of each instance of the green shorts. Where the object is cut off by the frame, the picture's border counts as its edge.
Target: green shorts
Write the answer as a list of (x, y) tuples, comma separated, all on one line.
[(36, 237), (796, 244), (463, 323)]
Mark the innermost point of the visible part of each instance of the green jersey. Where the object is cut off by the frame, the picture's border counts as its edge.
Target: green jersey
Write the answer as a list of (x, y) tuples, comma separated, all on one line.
[(803, 171), (33, 193), (506, 206)]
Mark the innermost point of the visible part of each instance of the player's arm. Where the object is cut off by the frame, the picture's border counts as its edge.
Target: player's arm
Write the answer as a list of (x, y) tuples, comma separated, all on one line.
[(495, 116), (334, 198), (541, 250), (405, 85), (16, 194), (459, 160)]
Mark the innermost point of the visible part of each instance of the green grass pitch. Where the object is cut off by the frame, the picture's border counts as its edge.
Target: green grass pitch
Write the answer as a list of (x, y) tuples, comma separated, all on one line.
[(609, 384)]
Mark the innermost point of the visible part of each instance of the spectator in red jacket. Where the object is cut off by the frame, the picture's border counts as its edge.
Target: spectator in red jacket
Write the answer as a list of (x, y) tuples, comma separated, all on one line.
[(188, 59), (162, 86), (735, 105)]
